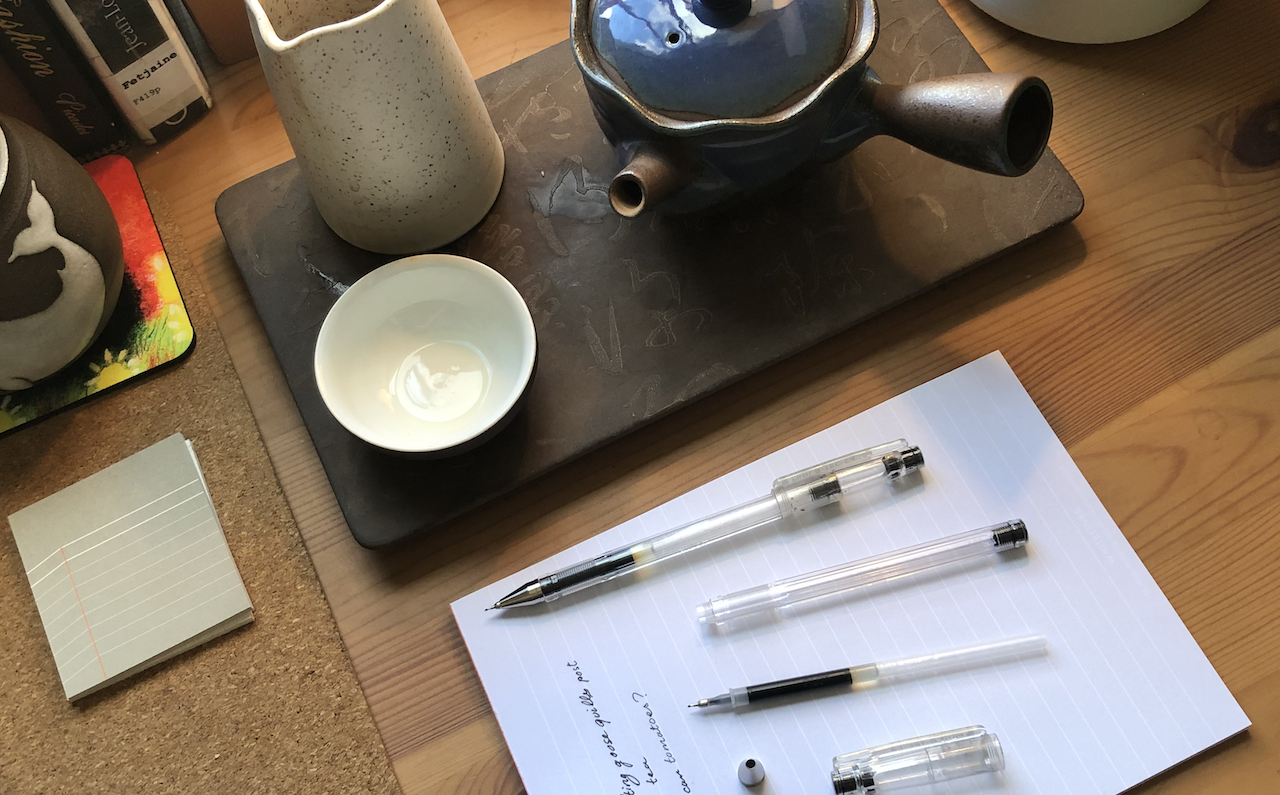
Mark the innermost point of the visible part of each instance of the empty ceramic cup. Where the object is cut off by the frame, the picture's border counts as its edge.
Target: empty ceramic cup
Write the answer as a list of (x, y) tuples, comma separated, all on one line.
[(1090, 21), (388, 127), (427, 355)]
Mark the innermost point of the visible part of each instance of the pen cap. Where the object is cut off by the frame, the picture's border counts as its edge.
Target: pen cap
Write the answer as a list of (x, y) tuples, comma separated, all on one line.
[(924, 760), (829, 481)]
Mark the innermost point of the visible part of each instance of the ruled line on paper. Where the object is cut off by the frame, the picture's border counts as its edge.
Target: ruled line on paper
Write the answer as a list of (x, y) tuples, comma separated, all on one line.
[(85, 581), (118, 535), (103, 527), (171, 619), (134, 606)]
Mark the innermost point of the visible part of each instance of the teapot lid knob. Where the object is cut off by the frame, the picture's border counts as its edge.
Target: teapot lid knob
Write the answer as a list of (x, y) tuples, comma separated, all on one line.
[(719, 59), (721, 13)]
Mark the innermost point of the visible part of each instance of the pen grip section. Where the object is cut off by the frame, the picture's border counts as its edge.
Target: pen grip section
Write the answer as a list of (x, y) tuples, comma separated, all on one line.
[(840, 677), (598, 569)]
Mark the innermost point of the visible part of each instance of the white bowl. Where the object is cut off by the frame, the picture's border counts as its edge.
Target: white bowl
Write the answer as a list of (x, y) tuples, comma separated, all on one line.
[(425, 354), (1090, 21)]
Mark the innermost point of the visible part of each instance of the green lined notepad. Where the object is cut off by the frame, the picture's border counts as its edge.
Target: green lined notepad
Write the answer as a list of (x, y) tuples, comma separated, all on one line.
[(130, 567)]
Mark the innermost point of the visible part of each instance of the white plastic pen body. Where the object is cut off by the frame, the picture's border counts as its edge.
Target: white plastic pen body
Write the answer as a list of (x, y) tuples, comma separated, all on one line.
[(793, 591), (792, 494)]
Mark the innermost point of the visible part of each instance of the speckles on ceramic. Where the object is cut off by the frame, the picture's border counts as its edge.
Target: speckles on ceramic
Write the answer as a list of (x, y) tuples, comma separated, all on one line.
[(389, 129)]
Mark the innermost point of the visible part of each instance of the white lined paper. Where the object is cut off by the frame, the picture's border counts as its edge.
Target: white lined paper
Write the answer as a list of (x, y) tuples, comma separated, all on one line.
[(1124, 693), (133, 567)]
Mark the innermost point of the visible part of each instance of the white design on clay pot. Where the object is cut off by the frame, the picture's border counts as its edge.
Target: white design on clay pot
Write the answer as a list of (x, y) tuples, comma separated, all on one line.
[(39, 345)]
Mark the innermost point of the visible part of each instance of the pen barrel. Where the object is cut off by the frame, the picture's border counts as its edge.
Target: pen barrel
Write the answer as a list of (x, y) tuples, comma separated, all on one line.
[(700, 532), (861, 573), (892, 565)]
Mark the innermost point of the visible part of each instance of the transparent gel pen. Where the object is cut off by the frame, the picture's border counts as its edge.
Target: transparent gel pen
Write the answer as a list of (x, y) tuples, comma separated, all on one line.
[(931, 759), (878, 673), (792, 494), (780, 596)]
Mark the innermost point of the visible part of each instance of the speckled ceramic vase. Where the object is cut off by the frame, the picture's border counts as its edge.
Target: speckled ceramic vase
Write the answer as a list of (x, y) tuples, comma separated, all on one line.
[(389, 129), (61, 262)]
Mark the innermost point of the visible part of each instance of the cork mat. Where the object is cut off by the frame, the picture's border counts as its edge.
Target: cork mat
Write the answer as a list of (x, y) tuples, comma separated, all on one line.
[(271, 708)]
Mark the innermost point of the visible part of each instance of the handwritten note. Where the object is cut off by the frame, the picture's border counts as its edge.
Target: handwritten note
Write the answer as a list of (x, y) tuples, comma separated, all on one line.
[(631, 774), (591, 690)]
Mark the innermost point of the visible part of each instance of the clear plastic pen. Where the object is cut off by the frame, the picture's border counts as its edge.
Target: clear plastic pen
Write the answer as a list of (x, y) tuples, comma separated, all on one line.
[(792, 494), (878, 673), (785, 594)]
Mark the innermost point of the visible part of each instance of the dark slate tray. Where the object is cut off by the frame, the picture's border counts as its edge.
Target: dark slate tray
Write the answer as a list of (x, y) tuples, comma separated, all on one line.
[(636, 318)]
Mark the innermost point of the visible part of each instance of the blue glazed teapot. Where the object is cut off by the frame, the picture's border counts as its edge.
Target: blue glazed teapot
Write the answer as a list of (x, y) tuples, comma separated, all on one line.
[(706, 101)]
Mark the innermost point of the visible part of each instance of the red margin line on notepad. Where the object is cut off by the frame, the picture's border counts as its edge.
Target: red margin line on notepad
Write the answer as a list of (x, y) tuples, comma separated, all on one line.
[(76, 591)]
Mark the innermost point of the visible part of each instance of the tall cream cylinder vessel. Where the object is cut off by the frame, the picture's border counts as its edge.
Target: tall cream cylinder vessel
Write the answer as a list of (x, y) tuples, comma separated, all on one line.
[(389, 130)]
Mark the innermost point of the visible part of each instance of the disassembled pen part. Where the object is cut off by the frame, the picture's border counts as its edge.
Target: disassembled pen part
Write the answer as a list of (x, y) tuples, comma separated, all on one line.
[(783, 595), (930, 759), (751, 772), (869, 674)]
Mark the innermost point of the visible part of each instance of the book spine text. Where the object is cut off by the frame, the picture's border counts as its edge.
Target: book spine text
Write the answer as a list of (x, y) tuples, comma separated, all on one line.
[(139, 55), (55, 74)]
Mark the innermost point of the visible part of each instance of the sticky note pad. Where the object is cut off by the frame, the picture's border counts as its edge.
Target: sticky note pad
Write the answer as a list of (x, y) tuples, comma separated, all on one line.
[(130, 567)]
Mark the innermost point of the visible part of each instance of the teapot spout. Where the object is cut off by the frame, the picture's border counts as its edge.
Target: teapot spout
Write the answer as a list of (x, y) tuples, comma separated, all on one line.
[(647, 180), (997, 123)]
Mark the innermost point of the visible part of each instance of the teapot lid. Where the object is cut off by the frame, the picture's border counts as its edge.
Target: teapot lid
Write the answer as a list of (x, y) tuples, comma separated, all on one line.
[(730, 59)]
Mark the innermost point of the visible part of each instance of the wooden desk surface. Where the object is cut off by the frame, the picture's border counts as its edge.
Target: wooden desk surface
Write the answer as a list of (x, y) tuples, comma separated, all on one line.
[(1148, 333)]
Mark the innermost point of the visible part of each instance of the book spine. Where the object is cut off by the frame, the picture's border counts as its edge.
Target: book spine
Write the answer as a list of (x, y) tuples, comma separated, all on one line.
[(16, 101), (79, 111), (140, 56)]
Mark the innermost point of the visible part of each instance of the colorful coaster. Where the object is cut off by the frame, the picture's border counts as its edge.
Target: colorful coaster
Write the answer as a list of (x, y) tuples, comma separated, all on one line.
[(149, 327)]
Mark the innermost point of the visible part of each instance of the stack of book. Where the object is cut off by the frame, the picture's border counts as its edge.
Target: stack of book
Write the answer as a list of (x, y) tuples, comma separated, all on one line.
[(87, 72)]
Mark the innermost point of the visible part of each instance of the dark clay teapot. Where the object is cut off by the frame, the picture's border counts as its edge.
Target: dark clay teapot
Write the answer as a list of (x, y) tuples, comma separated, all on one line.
[(708, 100)]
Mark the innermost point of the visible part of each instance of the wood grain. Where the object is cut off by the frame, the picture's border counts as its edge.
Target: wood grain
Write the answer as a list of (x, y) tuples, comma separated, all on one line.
[(1148, 333)]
